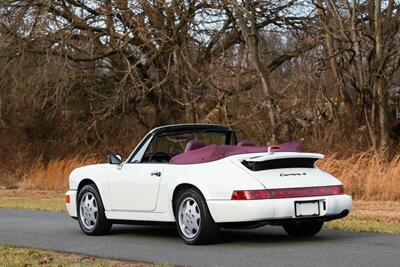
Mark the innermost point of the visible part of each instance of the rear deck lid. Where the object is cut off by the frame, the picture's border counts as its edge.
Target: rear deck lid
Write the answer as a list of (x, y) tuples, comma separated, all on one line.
[(287, 170)]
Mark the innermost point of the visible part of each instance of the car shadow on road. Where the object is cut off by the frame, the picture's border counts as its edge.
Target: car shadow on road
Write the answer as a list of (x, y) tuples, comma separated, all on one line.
[(265, 235), (270, 236), (144, 230)]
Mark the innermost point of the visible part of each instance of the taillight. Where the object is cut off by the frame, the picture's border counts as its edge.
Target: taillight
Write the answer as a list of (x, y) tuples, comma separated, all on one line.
[(67, 199), (288, 192), (249, 194)]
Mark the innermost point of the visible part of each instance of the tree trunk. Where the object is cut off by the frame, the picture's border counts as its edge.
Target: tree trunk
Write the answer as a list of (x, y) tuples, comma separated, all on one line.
[(379, 82), (251, 36)]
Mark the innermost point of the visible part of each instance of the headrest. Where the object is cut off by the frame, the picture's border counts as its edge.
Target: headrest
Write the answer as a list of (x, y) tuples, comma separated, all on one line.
[(194, 144), (245, 143)]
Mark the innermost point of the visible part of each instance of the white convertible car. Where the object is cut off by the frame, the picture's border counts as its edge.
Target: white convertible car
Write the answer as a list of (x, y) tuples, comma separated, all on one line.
[(199, 177)]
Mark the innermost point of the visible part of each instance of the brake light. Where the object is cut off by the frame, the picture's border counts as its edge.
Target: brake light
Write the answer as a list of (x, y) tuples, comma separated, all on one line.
[(67, 199), (249, 194), (288, 192)]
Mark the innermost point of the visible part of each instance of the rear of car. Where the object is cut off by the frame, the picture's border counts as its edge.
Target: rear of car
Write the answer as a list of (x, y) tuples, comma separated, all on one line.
[(295, 192)]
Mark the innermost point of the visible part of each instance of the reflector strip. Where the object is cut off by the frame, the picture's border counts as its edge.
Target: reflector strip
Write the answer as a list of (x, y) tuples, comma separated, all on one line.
[(288, 192), (306, 191)]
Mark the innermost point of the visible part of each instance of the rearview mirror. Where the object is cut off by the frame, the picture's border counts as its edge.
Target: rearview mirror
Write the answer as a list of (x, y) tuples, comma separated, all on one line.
[(114, 159)]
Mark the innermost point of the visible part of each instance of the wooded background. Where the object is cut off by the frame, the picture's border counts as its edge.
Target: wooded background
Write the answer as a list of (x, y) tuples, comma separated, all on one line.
[(81, 77)]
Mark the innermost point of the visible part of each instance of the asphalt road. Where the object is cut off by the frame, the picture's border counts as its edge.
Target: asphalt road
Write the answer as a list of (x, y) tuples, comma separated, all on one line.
[(266, 246)]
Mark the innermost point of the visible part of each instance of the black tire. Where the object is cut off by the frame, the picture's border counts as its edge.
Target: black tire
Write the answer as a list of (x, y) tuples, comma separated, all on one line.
[(303, 229), (208, 230), (101, 225)]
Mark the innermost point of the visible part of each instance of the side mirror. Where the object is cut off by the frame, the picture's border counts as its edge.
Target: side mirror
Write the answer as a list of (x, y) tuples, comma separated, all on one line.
[(114, 159)]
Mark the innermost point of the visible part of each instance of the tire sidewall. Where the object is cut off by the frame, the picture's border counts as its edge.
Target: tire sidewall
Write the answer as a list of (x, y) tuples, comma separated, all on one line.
[(92, 189), (204, 214)]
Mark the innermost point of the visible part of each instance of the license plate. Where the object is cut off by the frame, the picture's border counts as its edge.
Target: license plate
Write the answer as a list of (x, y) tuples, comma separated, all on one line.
[(306, 208)]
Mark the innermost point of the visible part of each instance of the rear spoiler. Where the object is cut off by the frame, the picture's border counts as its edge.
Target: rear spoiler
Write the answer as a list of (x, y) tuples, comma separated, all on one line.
[(272, 156), (282, 161)]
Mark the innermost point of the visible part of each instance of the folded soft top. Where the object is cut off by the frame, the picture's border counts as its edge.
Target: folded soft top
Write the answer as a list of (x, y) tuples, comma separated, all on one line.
[(216, 152)]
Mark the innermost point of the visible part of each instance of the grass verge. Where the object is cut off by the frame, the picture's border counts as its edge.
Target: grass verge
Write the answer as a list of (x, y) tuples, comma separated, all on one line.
[(367, 216), (363, 225), (32, 200), (11, 256), (370, 216)]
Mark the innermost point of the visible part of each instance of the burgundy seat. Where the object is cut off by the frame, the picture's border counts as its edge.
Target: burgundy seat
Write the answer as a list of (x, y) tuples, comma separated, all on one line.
[(245, 143), (194, 144)]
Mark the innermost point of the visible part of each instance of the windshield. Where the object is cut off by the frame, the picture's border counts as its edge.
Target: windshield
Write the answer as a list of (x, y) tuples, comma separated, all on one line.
[(166, 145)]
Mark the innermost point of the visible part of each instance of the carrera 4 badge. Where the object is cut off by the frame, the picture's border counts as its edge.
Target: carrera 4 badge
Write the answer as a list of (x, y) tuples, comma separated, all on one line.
[(292, 174)]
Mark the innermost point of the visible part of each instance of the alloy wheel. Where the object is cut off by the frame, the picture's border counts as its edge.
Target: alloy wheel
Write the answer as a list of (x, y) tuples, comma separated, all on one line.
[(88, 210), (189, 217)]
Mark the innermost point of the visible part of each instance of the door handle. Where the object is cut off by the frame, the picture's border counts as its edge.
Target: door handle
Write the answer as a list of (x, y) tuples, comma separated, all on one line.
[(156, 173)]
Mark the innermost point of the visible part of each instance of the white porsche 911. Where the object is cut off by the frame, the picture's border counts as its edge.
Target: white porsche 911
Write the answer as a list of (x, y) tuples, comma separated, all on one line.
[(199, 177)]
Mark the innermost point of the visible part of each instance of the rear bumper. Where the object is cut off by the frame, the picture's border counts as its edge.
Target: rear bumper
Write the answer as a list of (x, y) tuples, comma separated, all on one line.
[(225, 211), (71, 206)]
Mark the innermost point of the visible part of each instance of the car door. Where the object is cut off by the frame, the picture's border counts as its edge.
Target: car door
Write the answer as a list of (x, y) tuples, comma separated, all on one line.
[(134, 186)]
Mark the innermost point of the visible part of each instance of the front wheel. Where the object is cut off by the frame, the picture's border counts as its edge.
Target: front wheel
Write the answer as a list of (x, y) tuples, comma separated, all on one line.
[(303, 229), (91, 215), (194, 222)]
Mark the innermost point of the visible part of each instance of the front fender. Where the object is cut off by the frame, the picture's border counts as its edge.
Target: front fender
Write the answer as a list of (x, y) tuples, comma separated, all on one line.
[(98, 174)]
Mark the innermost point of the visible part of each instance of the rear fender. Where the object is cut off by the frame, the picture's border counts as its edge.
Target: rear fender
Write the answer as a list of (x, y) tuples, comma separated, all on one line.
[(215, 180)]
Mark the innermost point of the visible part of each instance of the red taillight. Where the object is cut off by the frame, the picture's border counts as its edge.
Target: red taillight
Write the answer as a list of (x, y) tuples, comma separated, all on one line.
[(306, 191), (249, 194), (288, 192), (67, 199)]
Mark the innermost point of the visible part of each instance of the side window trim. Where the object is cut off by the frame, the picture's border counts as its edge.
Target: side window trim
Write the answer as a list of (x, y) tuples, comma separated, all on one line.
[(138, 153)]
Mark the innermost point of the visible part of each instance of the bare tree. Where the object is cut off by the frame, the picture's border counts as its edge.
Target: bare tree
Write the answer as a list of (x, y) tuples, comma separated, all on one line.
[(253, 18), (78, 70), (362, 46), (153, 60)]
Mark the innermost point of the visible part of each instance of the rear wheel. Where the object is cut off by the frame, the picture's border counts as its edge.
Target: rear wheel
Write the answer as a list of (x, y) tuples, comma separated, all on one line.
[(193, 219), (91, 216), (303, 229)]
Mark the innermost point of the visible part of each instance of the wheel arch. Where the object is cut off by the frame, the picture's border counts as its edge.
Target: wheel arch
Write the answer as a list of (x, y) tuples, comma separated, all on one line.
[(89, 181), (86, 181), (182, 187), (209, 230)]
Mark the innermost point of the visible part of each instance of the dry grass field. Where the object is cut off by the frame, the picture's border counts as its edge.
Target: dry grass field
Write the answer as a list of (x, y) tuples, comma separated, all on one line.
[(54, 174), (366, 175)]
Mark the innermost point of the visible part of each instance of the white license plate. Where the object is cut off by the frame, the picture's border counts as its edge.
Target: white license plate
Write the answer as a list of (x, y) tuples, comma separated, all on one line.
[(306, 208)]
